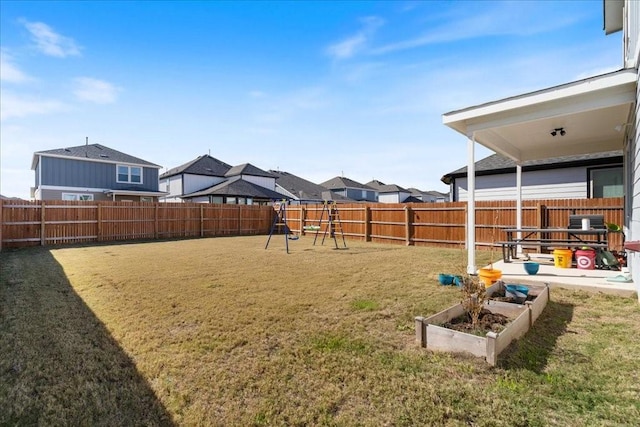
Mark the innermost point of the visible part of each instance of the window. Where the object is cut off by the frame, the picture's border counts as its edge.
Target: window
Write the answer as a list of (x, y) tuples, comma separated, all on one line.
[(146, 199), (607, 182), (129, 174), (77, 197)]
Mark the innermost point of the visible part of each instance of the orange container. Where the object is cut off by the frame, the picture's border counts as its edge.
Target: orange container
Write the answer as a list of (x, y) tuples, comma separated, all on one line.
[(562, 258), (489, 275)]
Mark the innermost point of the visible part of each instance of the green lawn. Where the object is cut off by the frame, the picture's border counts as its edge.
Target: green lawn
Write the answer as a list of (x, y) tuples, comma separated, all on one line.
[(223, 332)]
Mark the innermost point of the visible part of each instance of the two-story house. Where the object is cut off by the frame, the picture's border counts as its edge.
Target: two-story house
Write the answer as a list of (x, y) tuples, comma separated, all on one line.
[(209, 180), (389, 193), (93, 172), (302, 191), (198, 174)]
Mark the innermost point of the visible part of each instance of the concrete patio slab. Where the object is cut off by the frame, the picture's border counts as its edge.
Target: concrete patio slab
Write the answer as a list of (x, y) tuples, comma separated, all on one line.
[(569, 278)]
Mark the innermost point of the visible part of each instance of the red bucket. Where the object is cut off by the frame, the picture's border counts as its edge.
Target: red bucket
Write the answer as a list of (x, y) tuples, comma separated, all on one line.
[(586, 259)]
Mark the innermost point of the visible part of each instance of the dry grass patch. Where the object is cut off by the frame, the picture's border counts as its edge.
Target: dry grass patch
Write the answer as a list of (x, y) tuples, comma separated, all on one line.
[(223, 332)]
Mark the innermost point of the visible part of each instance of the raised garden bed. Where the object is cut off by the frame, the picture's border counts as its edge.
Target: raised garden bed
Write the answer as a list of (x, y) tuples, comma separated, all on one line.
[(432, 334)]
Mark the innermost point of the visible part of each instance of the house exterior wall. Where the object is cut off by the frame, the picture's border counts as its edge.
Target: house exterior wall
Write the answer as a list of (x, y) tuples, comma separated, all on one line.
[(56, 194), (569, 183), (173, 186), (632, 150), (359, 194), (193, 183), (392, 197), (262, 181), (177, 185), (80, 173)]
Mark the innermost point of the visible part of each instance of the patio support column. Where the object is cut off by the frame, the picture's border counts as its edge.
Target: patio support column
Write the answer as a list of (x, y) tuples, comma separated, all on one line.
[(519, 205), (471, 206)]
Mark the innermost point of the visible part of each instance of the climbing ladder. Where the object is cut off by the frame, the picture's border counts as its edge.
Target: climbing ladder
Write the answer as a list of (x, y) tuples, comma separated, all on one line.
[(279, 221), (333, 224)]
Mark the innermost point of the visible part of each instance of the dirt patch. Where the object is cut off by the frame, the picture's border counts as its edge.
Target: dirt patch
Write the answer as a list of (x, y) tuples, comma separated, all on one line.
[(487, 322)]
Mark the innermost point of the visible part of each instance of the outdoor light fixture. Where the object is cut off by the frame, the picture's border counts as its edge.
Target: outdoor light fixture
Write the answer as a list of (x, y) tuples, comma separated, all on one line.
[(558, 130)]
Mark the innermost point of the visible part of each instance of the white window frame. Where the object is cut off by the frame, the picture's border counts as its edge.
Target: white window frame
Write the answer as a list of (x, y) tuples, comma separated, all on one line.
[(129, 174), (77, 197)]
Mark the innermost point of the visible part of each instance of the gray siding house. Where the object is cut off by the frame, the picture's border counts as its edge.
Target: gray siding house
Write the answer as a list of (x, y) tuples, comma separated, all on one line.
[(390, 193), (351, 189), (209, 180), (594, 175), (198, 174), (302, 191), (93, 172)]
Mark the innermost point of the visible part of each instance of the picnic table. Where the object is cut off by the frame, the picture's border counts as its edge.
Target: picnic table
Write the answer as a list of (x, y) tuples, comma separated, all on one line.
[(549, 238)]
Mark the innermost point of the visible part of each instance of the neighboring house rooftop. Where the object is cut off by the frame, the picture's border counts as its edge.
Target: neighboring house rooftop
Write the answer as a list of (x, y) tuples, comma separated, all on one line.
[(498, 164), (202, 165), (303, 189), (386, 188), (342, 182), (95, 152), (236, 186), (248, 169)]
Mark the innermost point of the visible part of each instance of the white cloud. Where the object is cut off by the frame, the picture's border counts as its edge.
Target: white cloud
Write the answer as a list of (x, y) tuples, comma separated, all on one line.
[(94, 90), (9, 70), (51, 43), (12, 105), (354, 44), (471, 21)]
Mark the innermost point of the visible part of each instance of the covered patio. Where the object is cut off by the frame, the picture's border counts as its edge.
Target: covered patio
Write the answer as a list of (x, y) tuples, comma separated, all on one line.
[(582, 117)]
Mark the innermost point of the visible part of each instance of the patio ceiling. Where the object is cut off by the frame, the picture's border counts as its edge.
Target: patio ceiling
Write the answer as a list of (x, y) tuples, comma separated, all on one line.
[(593, 113)]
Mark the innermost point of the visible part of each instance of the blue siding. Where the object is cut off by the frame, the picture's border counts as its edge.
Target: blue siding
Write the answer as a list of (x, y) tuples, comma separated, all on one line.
[(38, 175), (79, 173)]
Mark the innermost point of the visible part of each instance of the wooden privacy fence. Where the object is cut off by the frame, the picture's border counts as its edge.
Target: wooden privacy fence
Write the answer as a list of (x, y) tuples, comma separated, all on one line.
[(444, 224), (62, 222), (439, 224)]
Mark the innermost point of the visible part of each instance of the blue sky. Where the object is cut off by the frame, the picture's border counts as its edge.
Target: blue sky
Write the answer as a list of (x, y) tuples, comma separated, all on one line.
[(318, 89)]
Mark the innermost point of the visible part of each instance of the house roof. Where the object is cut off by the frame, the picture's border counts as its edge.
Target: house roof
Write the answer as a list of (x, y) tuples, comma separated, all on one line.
[(201, 165), (374, 183), (386, 188), (412, 199), (303, 189), (436, 193), (594, 113), (247, 169), (93, 152), (340, 182), (236, 186), (498, 164)]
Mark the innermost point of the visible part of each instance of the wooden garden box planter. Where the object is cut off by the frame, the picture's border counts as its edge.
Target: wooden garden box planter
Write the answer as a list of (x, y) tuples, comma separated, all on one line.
[(438, 338)]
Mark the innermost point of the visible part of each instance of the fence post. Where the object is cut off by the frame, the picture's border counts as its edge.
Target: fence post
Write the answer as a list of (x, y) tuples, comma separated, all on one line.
[(99, 218), (367, 223), (239, 220), (42, 221), (156, 231), (407, 225), (303, 212), (201, 220)]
